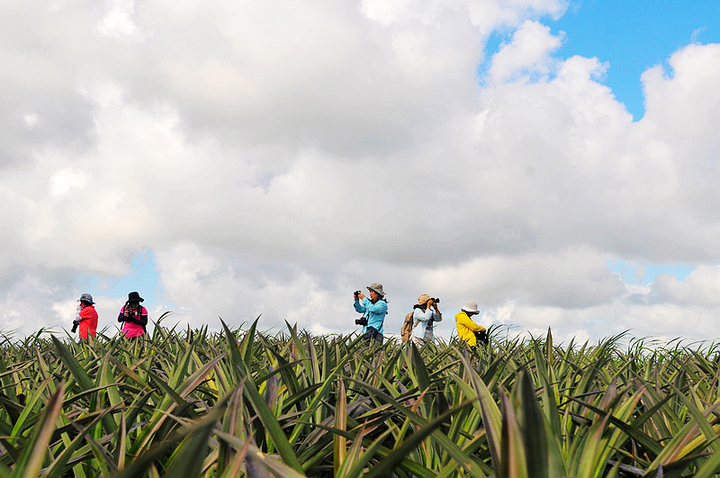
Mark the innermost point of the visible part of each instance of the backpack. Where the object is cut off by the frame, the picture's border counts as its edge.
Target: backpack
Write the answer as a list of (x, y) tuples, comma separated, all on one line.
[(407, 327)]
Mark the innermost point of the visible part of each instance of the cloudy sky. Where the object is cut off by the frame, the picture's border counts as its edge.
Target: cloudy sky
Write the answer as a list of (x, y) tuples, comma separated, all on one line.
[(555, 161)]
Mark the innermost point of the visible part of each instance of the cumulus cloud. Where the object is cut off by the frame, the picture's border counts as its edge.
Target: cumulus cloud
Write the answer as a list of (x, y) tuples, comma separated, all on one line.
[(276, 157), (700, 288), (526, 55)]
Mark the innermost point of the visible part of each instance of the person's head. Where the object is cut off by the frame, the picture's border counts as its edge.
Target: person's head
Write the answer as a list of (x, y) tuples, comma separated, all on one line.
[(134, 300), (376, 292), (423, 300), (85, 300), (470, 308)]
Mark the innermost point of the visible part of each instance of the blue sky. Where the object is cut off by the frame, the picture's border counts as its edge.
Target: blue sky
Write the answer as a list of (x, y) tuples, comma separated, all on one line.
[(645, 273), (144, 278), (631, 36), (634, 36)]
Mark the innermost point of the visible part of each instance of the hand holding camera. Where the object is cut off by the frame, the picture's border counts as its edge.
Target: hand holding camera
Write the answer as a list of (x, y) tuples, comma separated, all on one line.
[(358, 295)]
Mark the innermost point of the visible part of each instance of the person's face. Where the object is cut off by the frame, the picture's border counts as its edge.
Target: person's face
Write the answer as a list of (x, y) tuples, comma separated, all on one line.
[(134, 304), (374, 295)]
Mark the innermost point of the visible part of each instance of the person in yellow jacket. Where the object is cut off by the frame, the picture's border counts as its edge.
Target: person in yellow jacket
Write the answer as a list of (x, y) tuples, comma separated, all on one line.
[(465, 326)]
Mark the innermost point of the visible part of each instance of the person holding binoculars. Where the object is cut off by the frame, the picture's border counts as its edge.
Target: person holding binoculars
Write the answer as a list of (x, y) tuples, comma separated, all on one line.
[(134, 316), (373, 309), (424, 317)]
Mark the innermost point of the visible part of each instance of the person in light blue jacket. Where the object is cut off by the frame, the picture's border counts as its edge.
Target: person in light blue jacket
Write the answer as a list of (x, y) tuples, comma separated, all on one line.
[(424, 317), (374, 310)]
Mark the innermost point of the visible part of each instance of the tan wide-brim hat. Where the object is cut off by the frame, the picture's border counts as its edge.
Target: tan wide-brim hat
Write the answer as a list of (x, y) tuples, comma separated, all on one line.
[(423, 299)]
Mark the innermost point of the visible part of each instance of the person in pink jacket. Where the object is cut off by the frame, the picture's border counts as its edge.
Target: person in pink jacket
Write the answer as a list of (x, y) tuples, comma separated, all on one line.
[(134, 316)]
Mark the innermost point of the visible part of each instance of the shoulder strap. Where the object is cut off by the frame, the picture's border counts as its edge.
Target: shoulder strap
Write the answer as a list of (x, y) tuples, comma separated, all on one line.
[(416, 322)]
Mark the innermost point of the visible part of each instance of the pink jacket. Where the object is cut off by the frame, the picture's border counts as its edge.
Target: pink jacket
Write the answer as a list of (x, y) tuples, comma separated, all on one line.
[(134, 324)]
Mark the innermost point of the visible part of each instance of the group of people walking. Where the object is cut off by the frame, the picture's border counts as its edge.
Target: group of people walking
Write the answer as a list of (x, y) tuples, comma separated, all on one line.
[(419, 324), (133, 316)]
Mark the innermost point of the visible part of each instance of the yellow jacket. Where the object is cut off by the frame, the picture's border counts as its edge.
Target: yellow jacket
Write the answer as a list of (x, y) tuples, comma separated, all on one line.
[(466, 327)]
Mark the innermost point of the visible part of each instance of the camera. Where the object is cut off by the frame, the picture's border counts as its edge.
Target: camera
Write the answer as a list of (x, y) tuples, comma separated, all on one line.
[(361, 321), (75, 327), (356, 294), (437, 301)]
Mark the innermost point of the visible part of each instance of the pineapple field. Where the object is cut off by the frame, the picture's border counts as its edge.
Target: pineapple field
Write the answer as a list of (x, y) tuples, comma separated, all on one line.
[(191, 403)]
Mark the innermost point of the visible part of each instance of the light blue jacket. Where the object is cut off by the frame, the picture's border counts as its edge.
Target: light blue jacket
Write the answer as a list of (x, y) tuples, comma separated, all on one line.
[(375, 313), (423, 317)]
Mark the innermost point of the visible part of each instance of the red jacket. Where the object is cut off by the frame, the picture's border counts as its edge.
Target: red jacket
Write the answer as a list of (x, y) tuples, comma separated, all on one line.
[(88, 318)]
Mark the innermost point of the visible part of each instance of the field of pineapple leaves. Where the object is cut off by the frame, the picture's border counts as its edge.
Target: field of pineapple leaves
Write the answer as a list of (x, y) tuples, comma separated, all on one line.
[(245, 403)]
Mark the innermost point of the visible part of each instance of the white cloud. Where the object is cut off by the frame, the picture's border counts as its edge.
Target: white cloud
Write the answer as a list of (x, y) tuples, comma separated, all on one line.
[(701, 287), (527, 55), (118, 21)]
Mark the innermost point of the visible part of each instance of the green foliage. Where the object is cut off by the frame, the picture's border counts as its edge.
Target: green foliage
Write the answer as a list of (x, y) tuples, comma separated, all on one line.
[(243, 403)]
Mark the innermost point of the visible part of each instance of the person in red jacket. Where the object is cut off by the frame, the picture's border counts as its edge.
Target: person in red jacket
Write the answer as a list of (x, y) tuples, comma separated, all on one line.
[(87, 318), (134, 316)]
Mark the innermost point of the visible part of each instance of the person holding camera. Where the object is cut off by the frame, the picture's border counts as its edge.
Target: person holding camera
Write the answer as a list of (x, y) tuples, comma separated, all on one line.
[(424, 317), (87, 318), (467, 329), (134, 316), (374, 310)]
